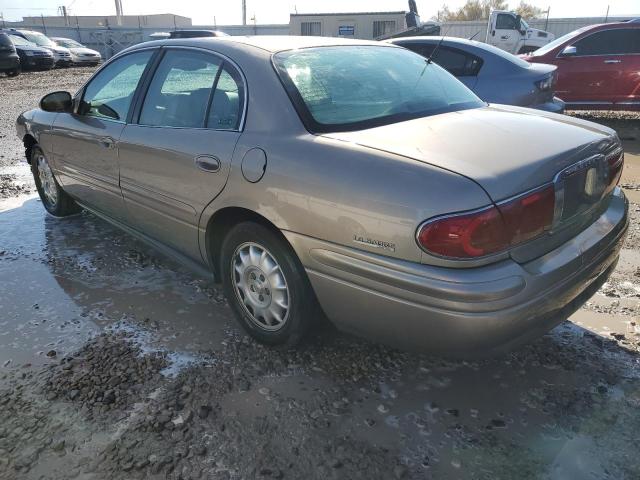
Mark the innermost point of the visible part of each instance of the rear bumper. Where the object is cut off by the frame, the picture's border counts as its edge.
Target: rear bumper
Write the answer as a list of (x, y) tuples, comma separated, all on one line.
[(86, 60), (462, 312), (554, 106)]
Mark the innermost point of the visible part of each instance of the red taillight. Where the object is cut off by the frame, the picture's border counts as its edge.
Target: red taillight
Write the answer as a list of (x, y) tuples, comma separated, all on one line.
[(491, 230), (615, 164)]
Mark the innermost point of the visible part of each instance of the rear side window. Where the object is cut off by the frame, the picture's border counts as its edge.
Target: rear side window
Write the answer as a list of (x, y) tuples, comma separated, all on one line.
[(456, 62), (618, 41), (179, 92), (110, 92), (227, 101)]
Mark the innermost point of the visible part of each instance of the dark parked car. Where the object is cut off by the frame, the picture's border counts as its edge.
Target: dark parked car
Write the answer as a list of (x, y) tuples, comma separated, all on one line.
[(196, 33), (9, 59), (597, 65), (31, 56), (61, 55), (494, 75)]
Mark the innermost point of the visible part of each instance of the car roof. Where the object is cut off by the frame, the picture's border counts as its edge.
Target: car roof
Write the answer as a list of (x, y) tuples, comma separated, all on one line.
[(452, 41), (269, 43)]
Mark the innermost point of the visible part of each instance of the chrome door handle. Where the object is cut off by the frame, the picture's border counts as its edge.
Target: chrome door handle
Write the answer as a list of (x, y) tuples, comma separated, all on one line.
[(107, 142), (208, 163), (505, 37), (613, 61)]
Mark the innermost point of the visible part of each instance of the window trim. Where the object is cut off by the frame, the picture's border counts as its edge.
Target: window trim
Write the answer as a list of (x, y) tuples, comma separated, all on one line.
[(79, 97), (573, 41)]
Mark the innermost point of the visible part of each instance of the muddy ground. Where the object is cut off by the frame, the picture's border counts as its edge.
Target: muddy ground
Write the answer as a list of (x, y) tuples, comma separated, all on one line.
[(116, 363)]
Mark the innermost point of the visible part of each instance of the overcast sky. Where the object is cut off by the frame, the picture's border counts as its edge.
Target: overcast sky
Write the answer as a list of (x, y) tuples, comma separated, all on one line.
[(228, 12)]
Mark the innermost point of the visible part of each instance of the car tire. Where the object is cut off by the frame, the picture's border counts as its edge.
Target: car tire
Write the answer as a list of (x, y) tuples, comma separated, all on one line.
[(54, 198), (13, 73), (266, 285)]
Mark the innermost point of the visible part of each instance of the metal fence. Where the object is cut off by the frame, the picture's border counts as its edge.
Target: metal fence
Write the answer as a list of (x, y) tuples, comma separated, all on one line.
[(111, 40), (557, 26)]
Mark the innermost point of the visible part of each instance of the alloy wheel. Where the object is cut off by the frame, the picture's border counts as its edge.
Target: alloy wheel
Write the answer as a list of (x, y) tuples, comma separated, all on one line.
[(47, 182), (260, 286)]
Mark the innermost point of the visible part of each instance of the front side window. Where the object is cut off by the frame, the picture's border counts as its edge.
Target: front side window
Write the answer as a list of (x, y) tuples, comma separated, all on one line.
[(21, 41), (620, 41), (350, 88), (110, 92), (179, 92), (505, 22)]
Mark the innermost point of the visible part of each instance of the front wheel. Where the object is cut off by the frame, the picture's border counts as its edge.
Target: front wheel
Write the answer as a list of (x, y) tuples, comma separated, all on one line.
[(13, 73), (266, 285), (55, 200)]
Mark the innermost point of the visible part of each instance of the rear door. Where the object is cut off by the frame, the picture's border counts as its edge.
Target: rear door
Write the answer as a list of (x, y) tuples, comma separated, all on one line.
[(175, 155), (85, 141), (628, 91), (594, 75)]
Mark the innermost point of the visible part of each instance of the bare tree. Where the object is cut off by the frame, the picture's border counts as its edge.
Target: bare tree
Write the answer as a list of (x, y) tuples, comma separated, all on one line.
[(472, 10), (526, 10)]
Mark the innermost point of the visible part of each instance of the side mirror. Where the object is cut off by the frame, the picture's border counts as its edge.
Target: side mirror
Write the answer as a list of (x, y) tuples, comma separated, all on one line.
[(57, 102), (569, 51)]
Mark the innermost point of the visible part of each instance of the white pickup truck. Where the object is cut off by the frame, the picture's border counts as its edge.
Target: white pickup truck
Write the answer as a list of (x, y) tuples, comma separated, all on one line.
[(508, 31)]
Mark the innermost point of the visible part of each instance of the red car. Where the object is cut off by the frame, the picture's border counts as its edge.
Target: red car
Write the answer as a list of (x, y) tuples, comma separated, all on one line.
[(598, 66)]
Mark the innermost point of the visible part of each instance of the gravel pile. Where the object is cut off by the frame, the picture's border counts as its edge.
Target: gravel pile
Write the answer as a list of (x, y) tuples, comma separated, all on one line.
[(107, 373)]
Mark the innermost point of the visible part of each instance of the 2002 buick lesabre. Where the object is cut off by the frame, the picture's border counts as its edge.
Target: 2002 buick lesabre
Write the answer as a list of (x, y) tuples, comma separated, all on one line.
[(359, 179)]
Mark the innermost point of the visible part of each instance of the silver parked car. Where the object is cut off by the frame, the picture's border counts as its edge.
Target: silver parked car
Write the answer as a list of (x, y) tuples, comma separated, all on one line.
[(494, 75), (349, 177), (80, 55)]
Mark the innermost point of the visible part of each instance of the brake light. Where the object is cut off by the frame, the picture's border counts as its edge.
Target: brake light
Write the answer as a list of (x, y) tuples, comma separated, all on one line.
[(615, 163), (490, 230)]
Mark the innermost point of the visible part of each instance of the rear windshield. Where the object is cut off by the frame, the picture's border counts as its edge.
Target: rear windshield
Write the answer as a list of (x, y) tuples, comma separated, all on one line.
[(63, 42), (354, 87)]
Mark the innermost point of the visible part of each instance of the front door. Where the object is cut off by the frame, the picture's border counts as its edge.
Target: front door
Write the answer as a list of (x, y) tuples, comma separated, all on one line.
[(505, 35), (85, 142), (175, 157)]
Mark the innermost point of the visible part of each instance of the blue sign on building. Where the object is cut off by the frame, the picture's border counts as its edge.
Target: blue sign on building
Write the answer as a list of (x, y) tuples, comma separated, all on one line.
[(346, 30)]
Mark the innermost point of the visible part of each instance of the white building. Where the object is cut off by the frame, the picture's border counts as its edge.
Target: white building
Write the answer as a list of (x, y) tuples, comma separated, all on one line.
[(362, 25)]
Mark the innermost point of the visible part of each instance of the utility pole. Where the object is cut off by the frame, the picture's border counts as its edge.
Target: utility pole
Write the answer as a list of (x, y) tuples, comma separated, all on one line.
[(607, 15), (546, 23), (244, 12), (2, 18), (44, 27), (63, 11), (118, 12)]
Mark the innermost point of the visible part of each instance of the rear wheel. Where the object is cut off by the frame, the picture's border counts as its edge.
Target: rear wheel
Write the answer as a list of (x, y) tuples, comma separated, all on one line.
[(54, 199), (266, 285)]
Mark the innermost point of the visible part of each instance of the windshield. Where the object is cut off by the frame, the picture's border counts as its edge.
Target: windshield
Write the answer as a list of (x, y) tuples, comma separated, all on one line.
[(351, 88), (39, 39), (21, 41), (558, 41), (68, 43)]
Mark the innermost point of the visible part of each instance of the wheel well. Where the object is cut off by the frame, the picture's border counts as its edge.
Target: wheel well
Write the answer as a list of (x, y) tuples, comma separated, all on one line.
[(29, 142), (220, 224)]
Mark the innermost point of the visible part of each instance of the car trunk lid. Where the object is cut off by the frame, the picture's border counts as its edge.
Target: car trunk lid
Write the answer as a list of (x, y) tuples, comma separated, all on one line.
[(508, 151)]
